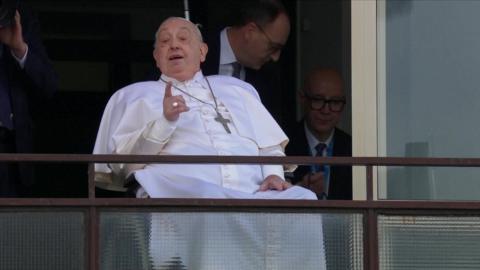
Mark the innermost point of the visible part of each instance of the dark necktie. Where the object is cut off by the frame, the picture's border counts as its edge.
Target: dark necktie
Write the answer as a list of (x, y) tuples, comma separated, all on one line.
[(236, 70), (321, 168), (5, 106), (320, 148)]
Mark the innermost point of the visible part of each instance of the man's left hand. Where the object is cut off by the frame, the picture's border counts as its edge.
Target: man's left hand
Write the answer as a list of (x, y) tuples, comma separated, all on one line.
[(12, 37), (274, 182)]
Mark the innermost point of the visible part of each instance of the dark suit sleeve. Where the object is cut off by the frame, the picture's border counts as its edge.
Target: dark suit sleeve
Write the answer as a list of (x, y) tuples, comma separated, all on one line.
[(341, 176), (298, 146), (37, 80), (38, 68)]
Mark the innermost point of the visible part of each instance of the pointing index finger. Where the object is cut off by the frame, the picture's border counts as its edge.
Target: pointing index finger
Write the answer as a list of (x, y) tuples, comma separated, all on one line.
[(168, 90)]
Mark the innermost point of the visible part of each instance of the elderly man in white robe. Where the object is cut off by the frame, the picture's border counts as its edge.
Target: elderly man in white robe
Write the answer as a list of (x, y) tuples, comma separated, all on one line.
[(186, 113)]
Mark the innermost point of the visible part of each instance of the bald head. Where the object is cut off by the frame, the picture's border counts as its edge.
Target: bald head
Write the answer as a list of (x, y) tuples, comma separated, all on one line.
[(194, 27), (324, 78), (323, 99), (179, 48)]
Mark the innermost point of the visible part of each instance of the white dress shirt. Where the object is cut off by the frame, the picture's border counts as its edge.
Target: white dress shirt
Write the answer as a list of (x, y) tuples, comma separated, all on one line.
[(227, 57)]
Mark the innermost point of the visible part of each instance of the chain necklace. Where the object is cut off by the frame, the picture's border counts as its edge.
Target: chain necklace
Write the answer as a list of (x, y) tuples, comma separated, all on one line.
[(219, 118)]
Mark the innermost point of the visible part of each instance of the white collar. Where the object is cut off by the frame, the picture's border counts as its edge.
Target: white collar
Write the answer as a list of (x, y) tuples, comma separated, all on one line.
[(226, 52), (313, 141), (198, 78)]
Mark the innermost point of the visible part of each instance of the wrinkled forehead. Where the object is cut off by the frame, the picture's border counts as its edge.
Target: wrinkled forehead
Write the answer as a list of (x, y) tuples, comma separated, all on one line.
[(179, 24), (174, 24)]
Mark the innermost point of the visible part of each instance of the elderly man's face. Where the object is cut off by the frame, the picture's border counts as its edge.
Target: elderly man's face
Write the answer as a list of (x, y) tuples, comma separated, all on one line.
[(323, 100), (178, 49)]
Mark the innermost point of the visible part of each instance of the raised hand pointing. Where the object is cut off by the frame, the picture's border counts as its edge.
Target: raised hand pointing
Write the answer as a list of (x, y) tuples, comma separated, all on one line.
[(173, 105)]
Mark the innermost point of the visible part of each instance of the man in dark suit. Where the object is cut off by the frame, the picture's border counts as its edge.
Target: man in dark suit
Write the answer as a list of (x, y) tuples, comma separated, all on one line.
[(25, 74), (249, 48), (323, 100)]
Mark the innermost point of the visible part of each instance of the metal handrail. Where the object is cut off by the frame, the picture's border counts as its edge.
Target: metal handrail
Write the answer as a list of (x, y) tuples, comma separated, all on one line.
[(301, 160), (369, 207)]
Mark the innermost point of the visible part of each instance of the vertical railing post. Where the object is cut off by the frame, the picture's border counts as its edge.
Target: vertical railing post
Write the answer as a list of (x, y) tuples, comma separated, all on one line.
[(91, 181), (369, 183), (371, 241), (93, 243), (371, 232), (93, 222)]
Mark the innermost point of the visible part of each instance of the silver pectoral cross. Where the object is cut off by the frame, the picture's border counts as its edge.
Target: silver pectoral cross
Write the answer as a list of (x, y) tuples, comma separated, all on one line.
[(223, 121)]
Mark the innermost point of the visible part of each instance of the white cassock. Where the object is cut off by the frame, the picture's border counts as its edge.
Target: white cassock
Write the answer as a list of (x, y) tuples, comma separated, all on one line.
[(133, 123)]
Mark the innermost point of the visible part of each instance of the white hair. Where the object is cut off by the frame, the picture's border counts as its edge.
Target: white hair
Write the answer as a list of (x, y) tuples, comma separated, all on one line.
[(196, 27)]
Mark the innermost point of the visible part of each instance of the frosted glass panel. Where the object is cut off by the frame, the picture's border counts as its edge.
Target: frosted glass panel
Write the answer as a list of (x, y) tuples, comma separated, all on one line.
[(428, 242), (227, 241), (431, 93), (343, 236), (42, 240)]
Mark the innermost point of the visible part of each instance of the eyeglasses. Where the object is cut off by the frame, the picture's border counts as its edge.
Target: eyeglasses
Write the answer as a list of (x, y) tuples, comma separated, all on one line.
[(334, 104), (272, 46)]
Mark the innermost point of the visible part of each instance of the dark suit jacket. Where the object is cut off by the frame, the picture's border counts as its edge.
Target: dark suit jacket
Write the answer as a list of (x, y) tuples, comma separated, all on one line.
[(267, 81), (36, 80), (340, 176)]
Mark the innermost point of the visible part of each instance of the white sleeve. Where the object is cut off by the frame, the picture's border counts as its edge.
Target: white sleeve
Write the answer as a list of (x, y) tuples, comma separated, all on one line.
[(267, 170), (139, 128), (154, 137), (151, 141)]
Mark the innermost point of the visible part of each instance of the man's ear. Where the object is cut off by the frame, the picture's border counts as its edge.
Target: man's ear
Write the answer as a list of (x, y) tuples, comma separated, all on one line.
[(154, 53), (249, 30), (203, 51)]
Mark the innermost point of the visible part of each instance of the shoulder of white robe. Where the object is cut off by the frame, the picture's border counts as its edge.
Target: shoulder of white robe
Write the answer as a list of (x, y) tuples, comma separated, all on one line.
[(225, 81), (114, 110), (266, 131), (140, 89)]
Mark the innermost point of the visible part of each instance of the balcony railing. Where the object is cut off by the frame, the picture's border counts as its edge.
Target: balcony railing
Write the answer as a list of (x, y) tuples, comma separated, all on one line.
[(116, 233)]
